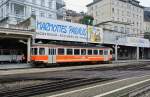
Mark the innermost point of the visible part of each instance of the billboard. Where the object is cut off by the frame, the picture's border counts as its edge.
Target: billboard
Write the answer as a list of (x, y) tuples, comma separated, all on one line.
[(67, 31), (134, 41), (95, 34)]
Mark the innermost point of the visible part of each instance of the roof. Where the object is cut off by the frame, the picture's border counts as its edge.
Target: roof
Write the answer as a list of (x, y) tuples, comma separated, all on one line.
[(147, 9), (129, 1), (73, 46), (147, 16)]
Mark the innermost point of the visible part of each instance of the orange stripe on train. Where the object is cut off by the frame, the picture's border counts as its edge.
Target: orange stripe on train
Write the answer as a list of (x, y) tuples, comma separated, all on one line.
[(73, 58), (38, 58)]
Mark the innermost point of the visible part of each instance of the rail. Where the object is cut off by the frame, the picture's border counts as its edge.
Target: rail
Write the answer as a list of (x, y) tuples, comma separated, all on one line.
[(49, 87)]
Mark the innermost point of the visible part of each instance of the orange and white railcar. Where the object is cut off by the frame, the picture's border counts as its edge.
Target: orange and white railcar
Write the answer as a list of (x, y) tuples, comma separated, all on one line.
[(47, 53)]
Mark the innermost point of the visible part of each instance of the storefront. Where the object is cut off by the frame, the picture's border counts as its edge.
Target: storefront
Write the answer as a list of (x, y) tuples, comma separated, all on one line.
[(128, 48), (15, 45)]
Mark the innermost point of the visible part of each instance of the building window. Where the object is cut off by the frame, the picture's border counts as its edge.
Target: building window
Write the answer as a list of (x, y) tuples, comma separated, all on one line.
[(116, 28), (33, 12), (2, 12), (113, 10), (42, 2), (34, 1), (127, 30), (42, 14), (122, 29), (50, 4), (49, 16)]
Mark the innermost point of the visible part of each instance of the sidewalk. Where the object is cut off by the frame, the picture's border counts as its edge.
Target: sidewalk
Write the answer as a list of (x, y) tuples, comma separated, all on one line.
[(24, 66), (54, 69), (130, 61), (14, 66)]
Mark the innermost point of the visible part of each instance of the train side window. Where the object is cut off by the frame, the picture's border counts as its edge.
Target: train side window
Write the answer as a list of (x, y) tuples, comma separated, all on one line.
[(89, 52), (61, 51), (100, 52), (32, 51), (95, 52), (35, 51), (69, 51), (83, 51), (42, 51), (76, 51), (105, 52)]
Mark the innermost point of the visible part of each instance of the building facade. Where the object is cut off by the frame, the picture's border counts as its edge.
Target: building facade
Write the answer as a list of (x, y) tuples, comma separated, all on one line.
[(123, 16), (123, 25), (147, 20), (15, 11), (73, 16)]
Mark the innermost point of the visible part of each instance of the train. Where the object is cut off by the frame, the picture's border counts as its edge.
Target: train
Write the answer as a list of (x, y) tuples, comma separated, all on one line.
[(11, 56), (46, 54)]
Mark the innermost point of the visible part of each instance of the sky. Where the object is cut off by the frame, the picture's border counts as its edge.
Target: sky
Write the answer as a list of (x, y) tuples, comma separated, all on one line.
[(80, 5)]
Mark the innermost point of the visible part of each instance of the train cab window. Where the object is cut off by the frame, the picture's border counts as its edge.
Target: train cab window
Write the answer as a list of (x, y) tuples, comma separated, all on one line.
[(35, 51), (61, 51), (89, 52), (95, 52), (76, 51), (111, 52), (83, 51), (42, 51), (100, 52), (105, 52), (69, 51)]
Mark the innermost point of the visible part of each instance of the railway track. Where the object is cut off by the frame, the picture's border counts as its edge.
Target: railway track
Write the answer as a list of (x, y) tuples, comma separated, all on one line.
[(141, 66), (49, 87), (61, 80), (138, 92)]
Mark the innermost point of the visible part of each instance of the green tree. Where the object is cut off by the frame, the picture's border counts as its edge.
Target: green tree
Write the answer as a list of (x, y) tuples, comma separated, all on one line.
[(87, 20)]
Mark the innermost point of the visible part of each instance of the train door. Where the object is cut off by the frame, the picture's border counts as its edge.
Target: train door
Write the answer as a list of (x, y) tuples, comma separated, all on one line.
[(52, 55), (106, 55)]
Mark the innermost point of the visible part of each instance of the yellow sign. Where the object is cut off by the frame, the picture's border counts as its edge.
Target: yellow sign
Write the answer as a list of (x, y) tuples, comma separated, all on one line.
[(95, 34)]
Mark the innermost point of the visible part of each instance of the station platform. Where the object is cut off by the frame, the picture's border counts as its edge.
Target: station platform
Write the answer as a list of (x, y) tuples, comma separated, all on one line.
[(14, 66), (25, 65), (25, 68)]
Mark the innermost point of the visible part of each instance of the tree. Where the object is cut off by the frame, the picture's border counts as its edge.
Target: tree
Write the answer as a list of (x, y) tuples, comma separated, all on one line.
[(87, 20)]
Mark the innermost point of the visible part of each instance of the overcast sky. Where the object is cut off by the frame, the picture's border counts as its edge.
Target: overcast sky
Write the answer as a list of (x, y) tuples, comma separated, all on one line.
[(80, 5)]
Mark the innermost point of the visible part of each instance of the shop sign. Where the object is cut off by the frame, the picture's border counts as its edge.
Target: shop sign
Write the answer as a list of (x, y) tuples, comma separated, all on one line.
[(67, 31)]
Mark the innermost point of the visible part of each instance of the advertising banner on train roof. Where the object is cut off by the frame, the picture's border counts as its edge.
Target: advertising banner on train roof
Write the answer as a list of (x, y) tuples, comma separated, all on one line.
[(67, 31)]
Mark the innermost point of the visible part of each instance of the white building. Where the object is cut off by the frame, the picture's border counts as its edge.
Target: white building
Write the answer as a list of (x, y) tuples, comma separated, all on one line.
[(15, 11), (147, 20), (123, 24), (123, 16)]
